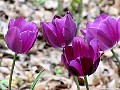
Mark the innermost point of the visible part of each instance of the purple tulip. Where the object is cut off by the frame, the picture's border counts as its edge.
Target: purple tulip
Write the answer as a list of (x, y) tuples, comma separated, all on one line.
[(81, 58), (60, 31), (21, 35), (104, 29)]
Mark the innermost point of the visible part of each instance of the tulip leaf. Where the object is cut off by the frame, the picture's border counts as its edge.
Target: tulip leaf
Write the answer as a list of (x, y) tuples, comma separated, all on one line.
[(35, 81)]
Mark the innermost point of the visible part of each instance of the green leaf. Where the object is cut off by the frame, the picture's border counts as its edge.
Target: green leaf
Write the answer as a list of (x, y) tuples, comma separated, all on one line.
[(35, 81), (58, 71), (4, 82), (1, 87)]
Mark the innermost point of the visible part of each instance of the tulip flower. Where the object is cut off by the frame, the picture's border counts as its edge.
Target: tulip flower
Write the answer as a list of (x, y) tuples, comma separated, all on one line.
[(21, 35), (105, 30), (60, 31), (81, 58)]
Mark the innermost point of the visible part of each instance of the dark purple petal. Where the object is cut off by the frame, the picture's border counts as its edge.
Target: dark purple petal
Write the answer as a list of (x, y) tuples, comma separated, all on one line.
[(68, 52), (86, 64), (13, 40), (94, 66)]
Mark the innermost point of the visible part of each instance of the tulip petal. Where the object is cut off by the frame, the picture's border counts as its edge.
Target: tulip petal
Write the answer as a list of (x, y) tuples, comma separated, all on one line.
[(19, 22), (68, 51), (104, 40), (11, 23), (59, 24), (109, 26), (112, 23), (95, 49), (70, 24), (99, 19), (78, 45), (50, 36), (94, 66), (29, 26), (13, 40), (76, 68), (83, 31), (68, 37), (118, 26), (86, 64), (28, 39)]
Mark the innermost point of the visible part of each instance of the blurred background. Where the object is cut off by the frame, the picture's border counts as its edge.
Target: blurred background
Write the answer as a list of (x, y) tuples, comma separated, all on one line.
[(43, 56)]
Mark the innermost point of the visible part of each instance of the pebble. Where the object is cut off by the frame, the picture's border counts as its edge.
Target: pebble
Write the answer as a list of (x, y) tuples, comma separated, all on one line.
[(51, 4), (5, 70)]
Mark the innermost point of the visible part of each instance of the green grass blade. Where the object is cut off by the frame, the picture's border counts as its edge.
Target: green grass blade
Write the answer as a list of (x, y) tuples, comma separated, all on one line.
[(35, 81)]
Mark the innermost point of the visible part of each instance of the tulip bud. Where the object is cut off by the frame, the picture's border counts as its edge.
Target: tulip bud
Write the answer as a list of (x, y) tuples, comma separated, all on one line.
[(81, 58), (105, 29), (21, 35), (60, 31)]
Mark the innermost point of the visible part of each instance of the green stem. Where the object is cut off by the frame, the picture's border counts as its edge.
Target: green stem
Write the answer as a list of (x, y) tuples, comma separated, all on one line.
[(12, 69), (59, 7), (114, 54), (80, 8), (77, 83), (86, 82)]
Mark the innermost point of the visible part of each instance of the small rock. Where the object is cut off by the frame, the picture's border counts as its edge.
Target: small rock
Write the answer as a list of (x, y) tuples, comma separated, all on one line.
[(51, 4), (113, 84), (5, 70), (1, 76), (6, 62)]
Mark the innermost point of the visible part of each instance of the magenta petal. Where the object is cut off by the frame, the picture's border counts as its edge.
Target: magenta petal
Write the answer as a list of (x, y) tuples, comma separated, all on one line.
[(99, 19), (13, 40), (11, 23), (118, 26), (70, 24), (76, 67), (51, 36), (28, 39), (83, 31), (68, 37), (78, 45), (29, 26), (112, 22), (104, 39), (95, 48), (19, 22)]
